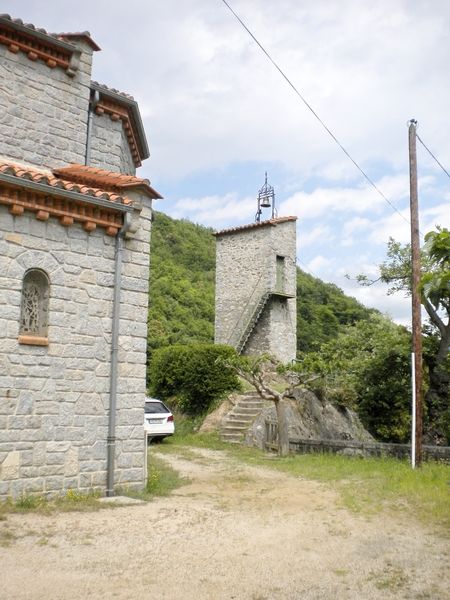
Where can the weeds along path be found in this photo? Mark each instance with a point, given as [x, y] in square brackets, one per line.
[232, 532]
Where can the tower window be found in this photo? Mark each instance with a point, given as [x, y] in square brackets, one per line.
[280, 274]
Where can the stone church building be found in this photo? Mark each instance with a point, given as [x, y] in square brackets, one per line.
[75, 227]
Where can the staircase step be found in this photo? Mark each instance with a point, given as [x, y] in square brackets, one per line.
[233, 434]
[245, 406]
[235, 420]
[240, 419]
[234, 428]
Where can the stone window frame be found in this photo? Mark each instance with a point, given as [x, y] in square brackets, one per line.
[34, 307]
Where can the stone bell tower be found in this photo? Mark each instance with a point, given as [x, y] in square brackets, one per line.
[256, 284]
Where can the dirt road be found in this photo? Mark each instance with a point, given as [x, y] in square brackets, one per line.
[234, 532]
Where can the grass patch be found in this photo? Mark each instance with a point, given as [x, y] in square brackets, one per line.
[7, 537]
[185, 425]
[162, 479]
[371, 485]
[367, 486]
[71, 500]
[391, 578]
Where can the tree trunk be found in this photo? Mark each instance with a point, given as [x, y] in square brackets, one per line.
[283, 429]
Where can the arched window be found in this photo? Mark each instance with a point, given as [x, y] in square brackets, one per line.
[34, 308]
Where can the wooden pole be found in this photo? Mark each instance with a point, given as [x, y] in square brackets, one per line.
[415, 291]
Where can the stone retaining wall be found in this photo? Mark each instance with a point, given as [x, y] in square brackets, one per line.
[354, 447]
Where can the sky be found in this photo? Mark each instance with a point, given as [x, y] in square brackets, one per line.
[218, 114]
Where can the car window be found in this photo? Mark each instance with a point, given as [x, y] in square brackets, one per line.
[155, 407]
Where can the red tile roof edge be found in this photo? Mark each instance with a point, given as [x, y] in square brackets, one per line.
[48, 178]
[84, 35]
[85, 174]
[52, 36]
[269, 222]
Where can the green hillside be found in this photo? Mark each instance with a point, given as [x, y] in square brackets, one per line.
[182, 275]
[182, 291]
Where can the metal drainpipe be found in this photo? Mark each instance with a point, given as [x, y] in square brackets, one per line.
[111, 439]
[92, 104]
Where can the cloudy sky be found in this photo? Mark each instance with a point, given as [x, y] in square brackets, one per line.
[218, 114]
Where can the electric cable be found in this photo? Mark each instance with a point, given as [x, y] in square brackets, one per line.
[432, 155]
[310, 108]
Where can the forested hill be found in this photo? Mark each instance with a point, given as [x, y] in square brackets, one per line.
[182, 291]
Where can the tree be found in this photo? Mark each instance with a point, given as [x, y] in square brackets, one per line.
[366, 368]
[258, 371]
[194, 374]
[435, 297]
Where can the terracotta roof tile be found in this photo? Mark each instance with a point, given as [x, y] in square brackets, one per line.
[84, 35]
[271, 222]
[28, 25]
[116, 182]
[66, 183]
[57, 36]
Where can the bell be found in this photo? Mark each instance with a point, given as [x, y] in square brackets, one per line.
[265, 202]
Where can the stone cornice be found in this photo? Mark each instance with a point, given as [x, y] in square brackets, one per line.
[68, 207]
[38, 45]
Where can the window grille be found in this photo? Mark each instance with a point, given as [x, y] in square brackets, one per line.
[34, 307]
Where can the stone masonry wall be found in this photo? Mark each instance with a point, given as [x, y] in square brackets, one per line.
[245, 269]
[54, 400]
[43, 111]
[109, 146]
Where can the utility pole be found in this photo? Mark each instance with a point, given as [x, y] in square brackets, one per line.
[416, 296]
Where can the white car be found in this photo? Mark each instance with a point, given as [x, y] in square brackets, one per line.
[158, 420]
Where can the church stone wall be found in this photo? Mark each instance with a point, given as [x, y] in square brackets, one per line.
[43, 111]
[54, 400]
[109, 146]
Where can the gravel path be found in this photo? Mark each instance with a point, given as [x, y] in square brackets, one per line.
[233, 532]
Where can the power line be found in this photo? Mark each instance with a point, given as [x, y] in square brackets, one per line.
[310, 108]
[431, 154]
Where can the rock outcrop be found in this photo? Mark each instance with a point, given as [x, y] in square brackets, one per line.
[308, 418]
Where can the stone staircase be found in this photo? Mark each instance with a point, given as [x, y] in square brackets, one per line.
[238, 420]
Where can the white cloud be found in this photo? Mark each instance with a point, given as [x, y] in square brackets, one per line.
[435, 215]
[318, 264]
[215, 211]
[322, 201]
[397, 306]
[313, 236]
[210, 99]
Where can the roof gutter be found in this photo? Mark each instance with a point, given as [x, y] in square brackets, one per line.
[111, 439]
[62, 193]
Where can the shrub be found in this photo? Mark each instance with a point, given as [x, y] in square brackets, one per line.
[195, 374]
